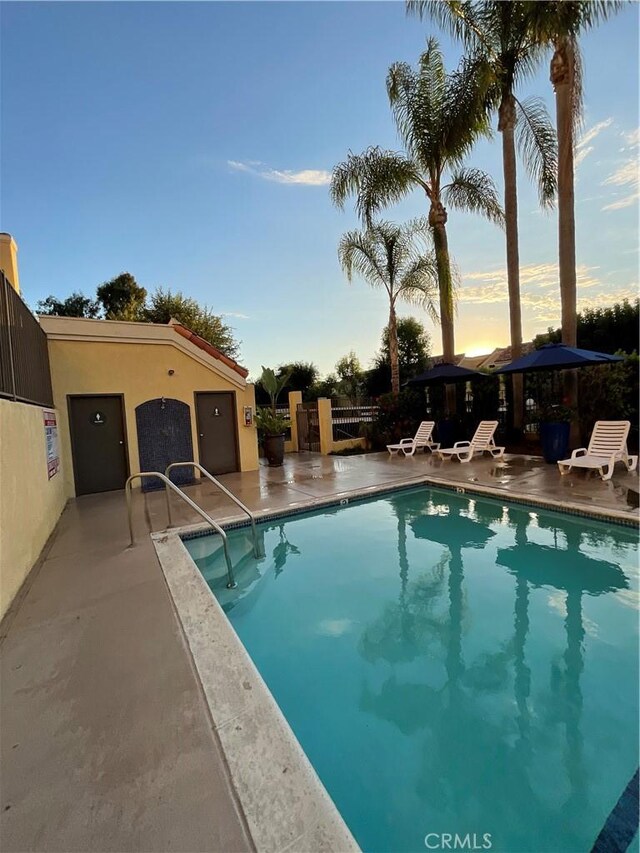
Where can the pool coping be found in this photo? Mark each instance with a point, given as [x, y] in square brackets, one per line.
[284, 802]
[285, 805]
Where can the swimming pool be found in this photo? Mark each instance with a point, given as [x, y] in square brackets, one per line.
[449, 665]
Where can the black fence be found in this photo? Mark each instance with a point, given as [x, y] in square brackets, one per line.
[346, 420]
[308, 424]
[24, 357]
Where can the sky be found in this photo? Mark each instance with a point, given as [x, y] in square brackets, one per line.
[191, 144]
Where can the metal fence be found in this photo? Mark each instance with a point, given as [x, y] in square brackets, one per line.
[346, 420]
[24, 357]
[308, 424]
[283, 412]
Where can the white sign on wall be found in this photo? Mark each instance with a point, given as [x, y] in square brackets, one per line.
[51, 440]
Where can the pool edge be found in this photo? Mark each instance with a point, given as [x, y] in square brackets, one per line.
[234, 521]
[284, 803]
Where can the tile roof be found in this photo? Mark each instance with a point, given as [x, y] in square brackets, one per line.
[208, 348]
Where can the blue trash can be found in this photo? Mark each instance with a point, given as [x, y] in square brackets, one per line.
[554, 438]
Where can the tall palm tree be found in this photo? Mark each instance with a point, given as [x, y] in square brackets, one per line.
[559, 24]
[439, 117]
[390, 256]
[499, 36]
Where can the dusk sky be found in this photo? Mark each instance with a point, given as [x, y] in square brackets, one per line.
[191, 145]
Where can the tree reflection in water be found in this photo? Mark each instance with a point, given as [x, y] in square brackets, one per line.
[469, 763]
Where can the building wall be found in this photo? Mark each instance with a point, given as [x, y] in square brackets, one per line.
[30, 503]
[139, 371]
[9, 259]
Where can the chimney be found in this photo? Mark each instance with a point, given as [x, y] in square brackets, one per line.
[9, 260]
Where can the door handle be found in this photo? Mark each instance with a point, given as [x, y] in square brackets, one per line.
[201, 435]
[121, 442]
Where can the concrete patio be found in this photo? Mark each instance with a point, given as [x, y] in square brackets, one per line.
[106, 742]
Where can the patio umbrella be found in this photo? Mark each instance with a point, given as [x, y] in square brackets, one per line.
[444, 373]
[557, 357]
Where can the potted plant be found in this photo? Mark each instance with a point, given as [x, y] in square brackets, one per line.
[555, 426]
[269, 422]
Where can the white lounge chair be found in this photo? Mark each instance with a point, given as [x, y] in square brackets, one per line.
[607, 446]
[481, 441]
[422, 438]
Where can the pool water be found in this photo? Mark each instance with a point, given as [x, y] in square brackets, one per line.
[449, 664]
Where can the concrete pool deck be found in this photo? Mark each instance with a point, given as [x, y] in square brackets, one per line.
[107, 743]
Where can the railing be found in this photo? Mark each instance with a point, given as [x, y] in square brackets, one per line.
[231, 584]
[24, 357]
[346, 420]
[237, 501]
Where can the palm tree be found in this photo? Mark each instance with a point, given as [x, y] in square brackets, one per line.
[439, 117]
[559, 24]
[499, 36]
[390, 256]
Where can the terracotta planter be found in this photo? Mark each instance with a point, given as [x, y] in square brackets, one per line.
[274, 449]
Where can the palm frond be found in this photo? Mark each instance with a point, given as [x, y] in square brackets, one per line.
[538, 147]
[419, 284]
[364, 253]
[475, 191]
[376, 178]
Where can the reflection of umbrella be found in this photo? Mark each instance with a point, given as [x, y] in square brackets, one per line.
[557, 357]
[444, 373]
[454, 531]
[571, 570]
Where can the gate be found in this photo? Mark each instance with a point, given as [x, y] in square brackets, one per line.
[308, 427]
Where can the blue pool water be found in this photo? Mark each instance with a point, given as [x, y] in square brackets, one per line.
[448, 664]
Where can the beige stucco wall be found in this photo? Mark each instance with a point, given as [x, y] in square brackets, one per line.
[30, 503]
[139, 371]
[9, 259]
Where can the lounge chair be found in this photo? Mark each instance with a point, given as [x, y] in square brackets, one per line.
[607, 446]
[422, 438]
[482, 441]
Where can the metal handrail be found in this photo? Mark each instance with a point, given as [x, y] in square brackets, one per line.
[231, 583]
[237, 501]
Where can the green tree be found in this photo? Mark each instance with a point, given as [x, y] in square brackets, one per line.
[163, 306]
[607, 330]
[327, 387]
[390, 256]
[351, 376]
[559, 26]
[76, 305]
[505, 53]
[439, 117]
[122, 298]
[414, 349]
[303, 376]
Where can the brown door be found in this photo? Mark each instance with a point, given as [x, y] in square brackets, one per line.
[98, 443]
[217, 432]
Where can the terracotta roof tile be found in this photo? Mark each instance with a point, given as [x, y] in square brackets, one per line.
[209, 348]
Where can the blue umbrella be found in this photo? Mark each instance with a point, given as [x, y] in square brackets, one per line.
[557, 357]
[444, 372]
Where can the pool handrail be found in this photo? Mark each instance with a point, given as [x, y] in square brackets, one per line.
[229, 494]
[231, 583]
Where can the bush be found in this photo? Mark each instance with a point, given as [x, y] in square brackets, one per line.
[607, 394]
[398, 417]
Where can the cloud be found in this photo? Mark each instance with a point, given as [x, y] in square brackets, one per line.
[584, 147]
[236, 314]
[540, 290]
[334, 627]
[305, 177]
[627, 175]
